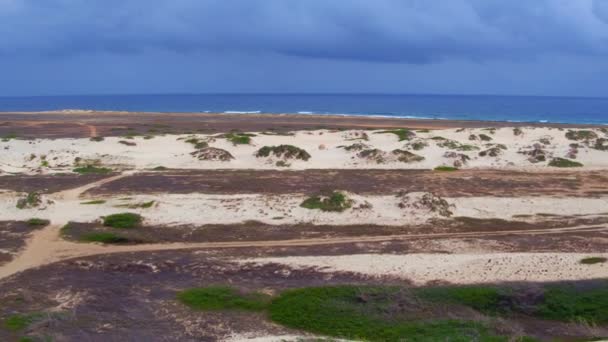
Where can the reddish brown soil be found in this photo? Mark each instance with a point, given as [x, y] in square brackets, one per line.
[452, 184]
[61, 125]
[47, 183]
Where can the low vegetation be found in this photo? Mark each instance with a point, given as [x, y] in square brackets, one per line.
[284, 152]
[238, 138]
[97, 139]
[376, 155]
[197, 143]
[223, 298]
[143, 205]
[562, 162]
[445, 168]
[457, 146]
[407, 156]
[593, 260]
[93, 202]
[104, 237]
[160, 168]
[581, 135]
[127, 143]
[335, 201]
[355, 147]
[517, 131]
[122, 220]
[401, 133]
[38, 222]
[485, 137]
[91, 169]
[31, 200]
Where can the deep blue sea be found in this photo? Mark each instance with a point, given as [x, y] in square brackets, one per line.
[459, 107]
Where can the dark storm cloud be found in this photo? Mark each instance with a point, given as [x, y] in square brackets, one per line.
[409, 31]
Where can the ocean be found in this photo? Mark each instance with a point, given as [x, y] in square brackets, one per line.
[456, 107]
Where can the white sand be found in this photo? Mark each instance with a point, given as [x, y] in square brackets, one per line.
[323, 145]
[455, 268]
[193, 209]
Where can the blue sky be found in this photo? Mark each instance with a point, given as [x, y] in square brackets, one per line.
[528, 47]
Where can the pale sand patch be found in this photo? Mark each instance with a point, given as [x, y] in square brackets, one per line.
[323, 145]
[455, 268]
[193, 209]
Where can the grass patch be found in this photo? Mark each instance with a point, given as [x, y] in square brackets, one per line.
[336, 202]
[122, 220]
[283, 151]
[571, 304]
[9, 137]
[97, 139]
[482, 298]
[18, 322]
[593, 260]
[485, 137]
[91, 169]
[160, 168]
[401, 133]
[445, 168]
[366, 313]
[562, 162]
[222, 298]
[36, 222]
[93, 202]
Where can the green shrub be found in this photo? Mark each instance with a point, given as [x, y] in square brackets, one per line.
[103, 237]
[593, 260]
[122, 220]
[283, 151]
[222, 298]
[38, 222]
[455, 145]
[97, 139]
[91, 169]
[445, 168]
[160, 168]
[401, 133]
[562, 162]
[336, 201]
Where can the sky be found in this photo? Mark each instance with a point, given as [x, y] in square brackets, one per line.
[524, 47]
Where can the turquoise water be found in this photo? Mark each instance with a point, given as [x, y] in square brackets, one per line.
[494, 108]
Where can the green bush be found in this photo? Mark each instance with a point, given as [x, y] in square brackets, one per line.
[445, 168]
[336, 201]
[38, 222]
[109, 238]
[283, 151]
[581, 135]
[593, 260]
[91, 169]
[222, 298]
[122, 220]
[562, 162]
